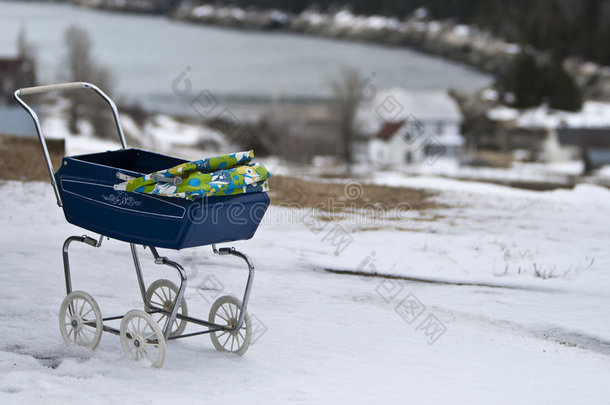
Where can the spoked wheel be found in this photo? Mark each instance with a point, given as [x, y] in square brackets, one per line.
[163, 293]
[225, 311]
[80, 320]
[142, 338]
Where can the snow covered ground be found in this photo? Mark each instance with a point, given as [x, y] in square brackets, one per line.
[503, 298]
[593, 114]
[558, 173]
[161, 133]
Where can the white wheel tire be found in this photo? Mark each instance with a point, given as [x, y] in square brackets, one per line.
[225, 311]
[162, 293]
[141, 327]
[80, 320]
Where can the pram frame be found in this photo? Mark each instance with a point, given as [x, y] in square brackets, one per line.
[158, 259]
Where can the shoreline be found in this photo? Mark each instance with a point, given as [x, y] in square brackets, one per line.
[467, 45]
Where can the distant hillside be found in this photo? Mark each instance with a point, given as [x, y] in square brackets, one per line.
[564, 27]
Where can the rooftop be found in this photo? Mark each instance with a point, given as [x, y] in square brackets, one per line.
[398, 104]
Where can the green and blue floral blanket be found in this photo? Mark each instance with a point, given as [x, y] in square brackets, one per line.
[230, 174]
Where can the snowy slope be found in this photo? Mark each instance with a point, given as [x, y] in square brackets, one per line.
[332, 338]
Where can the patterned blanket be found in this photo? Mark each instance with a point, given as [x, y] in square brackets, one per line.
[220, 175]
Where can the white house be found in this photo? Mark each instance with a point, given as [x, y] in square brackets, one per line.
[408, 128]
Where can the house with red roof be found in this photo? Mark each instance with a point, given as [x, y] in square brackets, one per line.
[410, 128]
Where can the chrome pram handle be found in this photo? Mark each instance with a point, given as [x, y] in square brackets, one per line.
[62, 86]
[176, 180]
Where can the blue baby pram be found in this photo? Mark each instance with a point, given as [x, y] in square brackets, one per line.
[84, 188]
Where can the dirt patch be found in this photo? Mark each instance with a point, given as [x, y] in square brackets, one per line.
[525, 185]
[21, 158]
[291, 191]
[430, 281]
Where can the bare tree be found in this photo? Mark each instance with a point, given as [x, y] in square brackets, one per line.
[345, 101]
[25, 51]
[80, 66]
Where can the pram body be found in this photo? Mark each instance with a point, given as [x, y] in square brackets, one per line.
[90, 201]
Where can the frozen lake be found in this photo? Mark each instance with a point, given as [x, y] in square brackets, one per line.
[146, 53]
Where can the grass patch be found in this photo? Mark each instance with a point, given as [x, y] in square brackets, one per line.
[347, 196]
[21, 158]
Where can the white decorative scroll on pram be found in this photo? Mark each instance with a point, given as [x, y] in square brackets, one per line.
[230, 174]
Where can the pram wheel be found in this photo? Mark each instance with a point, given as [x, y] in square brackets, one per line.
[225, 311]
[162, 293]
[142, 338]
[80, 320]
